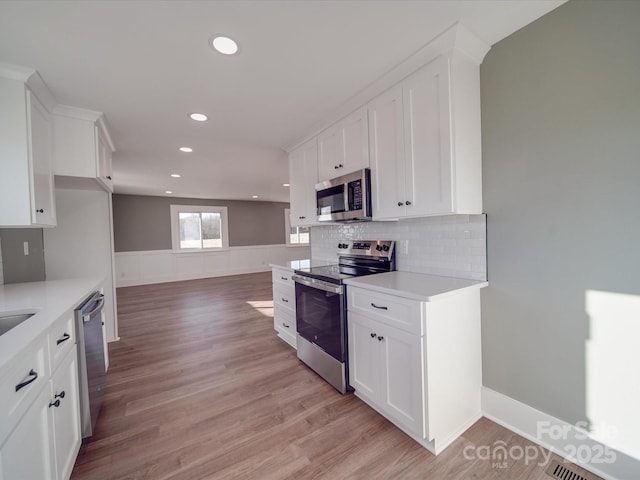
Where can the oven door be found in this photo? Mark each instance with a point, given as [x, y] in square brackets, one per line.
[320, 315]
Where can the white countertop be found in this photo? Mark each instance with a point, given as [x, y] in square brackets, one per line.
[51, 299]
[415, 286]
[298, 264]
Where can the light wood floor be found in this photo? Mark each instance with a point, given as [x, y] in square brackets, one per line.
[200, 387]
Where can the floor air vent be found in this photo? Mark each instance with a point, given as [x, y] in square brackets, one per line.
[556, 470]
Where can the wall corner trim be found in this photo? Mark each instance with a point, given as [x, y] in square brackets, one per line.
[526, 421]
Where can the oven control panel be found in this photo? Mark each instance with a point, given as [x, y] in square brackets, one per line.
[370, 248]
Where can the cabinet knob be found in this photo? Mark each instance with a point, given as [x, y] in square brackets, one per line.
[301, 218]
[59, 395]
[400, 204]
[380, 339]
[285, 325]
[373, 335]
[54, 404]
[40, 211]
[108, 177]
[407, 202]
[285, 300]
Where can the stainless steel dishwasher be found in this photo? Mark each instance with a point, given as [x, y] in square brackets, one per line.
[92, 375]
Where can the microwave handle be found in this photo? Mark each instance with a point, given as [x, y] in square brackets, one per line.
[346, 196]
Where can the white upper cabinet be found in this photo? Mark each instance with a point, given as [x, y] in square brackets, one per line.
[425, 142]
[386, 137]
[26, 183]
[344, 147]
[303, 176]
[82, 146]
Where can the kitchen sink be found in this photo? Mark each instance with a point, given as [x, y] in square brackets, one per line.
[7, 322]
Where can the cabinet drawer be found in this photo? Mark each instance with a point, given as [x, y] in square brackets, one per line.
[284, 296]
[282, 276]
[284, 320]
[395, 311]
[62, 338]
[20, 384]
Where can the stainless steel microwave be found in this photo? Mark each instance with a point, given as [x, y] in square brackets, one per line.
[346, 198]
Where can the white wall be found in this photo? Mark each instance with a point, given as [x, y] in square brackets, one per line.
[81, 244]
[1, 271]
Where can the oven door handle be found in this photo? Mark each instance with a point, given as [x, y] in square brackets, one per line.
[320, 285]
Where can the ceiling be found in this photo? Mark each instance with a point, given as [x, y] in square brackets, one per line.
[147, 65]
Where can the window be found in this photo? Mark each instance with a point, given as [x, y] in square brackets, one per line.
[295, 235]
[197, 228]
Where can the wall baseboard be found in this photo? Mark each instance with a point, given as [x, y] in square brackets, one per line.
[159, 266]
[558, 436]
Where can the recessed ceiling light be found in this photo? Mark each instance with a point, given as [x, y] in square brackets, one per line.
[168, 191]
[198, 117]
[176, 175]
[286, 185]
[254, 196]
[186, 149]
[223, 44]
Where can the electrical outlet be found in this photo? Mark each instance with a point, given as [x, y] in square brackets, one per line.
[25, 246]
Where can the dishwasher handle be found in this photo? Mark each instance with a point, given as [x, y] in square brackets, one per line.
[99, 305]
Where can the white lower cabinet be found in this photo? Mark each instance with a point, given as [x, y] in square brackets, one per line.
[417, 363]
[284, 305]
[28, 452]
[386, 368]
[43, 443]
[65, 415]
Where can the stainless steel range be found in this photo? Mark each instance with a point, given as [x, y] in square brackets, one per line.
[321, 306]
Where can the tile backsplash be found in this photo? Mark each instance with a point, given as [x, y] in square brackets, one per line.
[450, 246]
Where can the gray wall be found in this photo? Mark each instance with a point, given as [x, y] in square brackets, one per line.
[18, 268]
[144, 222]
[561, 185]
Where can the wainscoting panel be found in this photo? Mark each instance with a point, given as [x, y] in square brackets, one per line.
[159, 266]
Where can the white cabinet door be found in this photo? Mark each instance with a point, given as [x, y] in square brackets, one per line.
[354, 136]
[427, 128]
[330, 159]
[81, 147]
[303, 176]
[104, 160]
[344, 147]
[386, 144]
[364, 356]
[402, 364]
[27, 453]
[43, 201]
[26, 181]
[65, 415]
